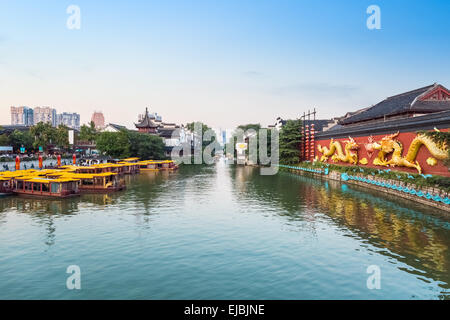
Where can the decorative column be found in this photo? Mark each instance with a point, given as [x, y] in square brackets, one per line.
[307, 142]
[302, 144]
[312, 147]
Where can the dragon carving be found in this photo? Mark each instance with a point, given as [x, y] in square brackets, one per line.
[336, 152]
[389, 144]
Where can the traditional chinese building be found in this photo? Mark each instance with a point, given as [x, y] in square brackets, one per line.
[171, 133]
[146, 124]
[390, 134]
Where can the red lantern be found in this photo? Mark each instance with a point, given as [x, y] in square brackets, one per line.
[58, 160]
[17, 163]
[74, 158]
[40, 162]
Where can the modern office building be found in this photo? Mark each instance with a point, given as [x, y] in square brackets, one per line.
[22, 116]
[71, 120]
[45, 114]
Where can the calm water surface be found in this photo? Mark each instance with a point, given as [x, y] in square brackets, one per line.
[222, 232]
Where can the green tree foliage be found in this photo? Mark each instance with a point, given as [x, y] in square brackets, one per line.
[126, 143]
[191, 127]
[88, 132]
[290, 138]
[114, 144]
[4, 140]
[145, 146]
[20, 139]
[256, 127]
[44, 135]
[62, 136]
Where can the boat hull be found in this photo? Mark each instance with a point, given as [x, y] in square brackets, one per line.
[101, 190]
[46, 196]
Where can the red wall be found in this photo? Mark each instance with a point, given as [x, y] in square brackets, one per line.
[405, 138]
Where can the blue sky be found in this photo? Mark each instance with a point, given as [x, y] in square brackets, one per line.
[221, 62]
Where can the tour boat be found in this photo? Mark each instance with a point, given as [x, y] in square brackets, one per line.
[147, 165]
[129, 167]
[101, 182]
[44, 187]
[111, 167]
[5, 186]
[154, 165]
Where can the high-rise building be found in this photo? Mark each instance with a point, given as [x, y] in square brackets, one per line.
[71, 120]
[45, 114]
[22, 116]
[98, 119]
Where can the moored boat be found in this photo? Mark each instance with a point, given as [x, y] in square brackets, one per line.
[101, 182]
[5, 186]
[44, 187]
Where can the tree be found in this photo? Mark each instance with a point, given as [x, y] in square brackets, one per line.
[4, 140]
[44, 134]
[145, 146]
[204, 128]
[61, 136]
[290, 138]
[19, 139]
[126, 143]
[114, 144]
[88, 132]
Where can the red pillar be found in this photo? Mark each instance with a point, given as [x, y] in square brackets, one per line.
[312, 147]
[40, 162]
[17, 163]
[74, 159]
[58, 160]
[307, 142]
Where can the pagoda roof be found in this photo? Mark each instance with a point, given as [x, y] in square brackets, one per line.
[146, 122]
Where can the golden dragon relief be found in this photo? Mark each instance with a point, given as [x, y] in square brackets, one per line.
[336, 153]
[389, 145]
[386, 146]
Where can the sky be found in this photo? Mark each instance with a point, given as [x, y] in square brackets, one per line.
[222, 62]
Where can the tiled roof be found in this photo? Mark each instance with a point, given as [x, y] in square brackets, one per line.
[146, 122]
[398, 104]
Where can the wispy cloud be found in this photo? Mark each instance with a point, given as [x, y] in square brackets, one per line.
[317, 90]
[253, 74]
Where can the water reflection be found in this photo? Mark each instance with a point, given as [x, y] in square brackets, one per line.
[212, 212]
[396, 228]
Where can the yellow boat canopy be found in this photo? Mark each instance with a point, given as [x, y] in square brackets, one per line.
[88, 175]
[42, 180]
[129, 159]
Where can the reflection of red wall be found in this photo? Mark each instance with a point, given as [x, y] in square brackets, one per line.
[405, 138]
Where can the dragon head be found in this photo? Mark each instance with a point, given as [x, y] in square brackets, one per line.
[350, 144]
[387, 143]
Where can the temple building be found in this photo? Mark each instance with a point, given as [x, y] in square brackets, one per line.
[171, 133]
[418, 102]
[389, 135]
[147, 123]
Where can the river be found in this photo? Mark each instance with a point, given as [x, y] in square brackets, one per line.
[224, 232]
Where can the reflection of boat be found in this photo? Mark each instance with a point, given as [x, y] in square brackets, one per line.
[5, 186]
[43, 187]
